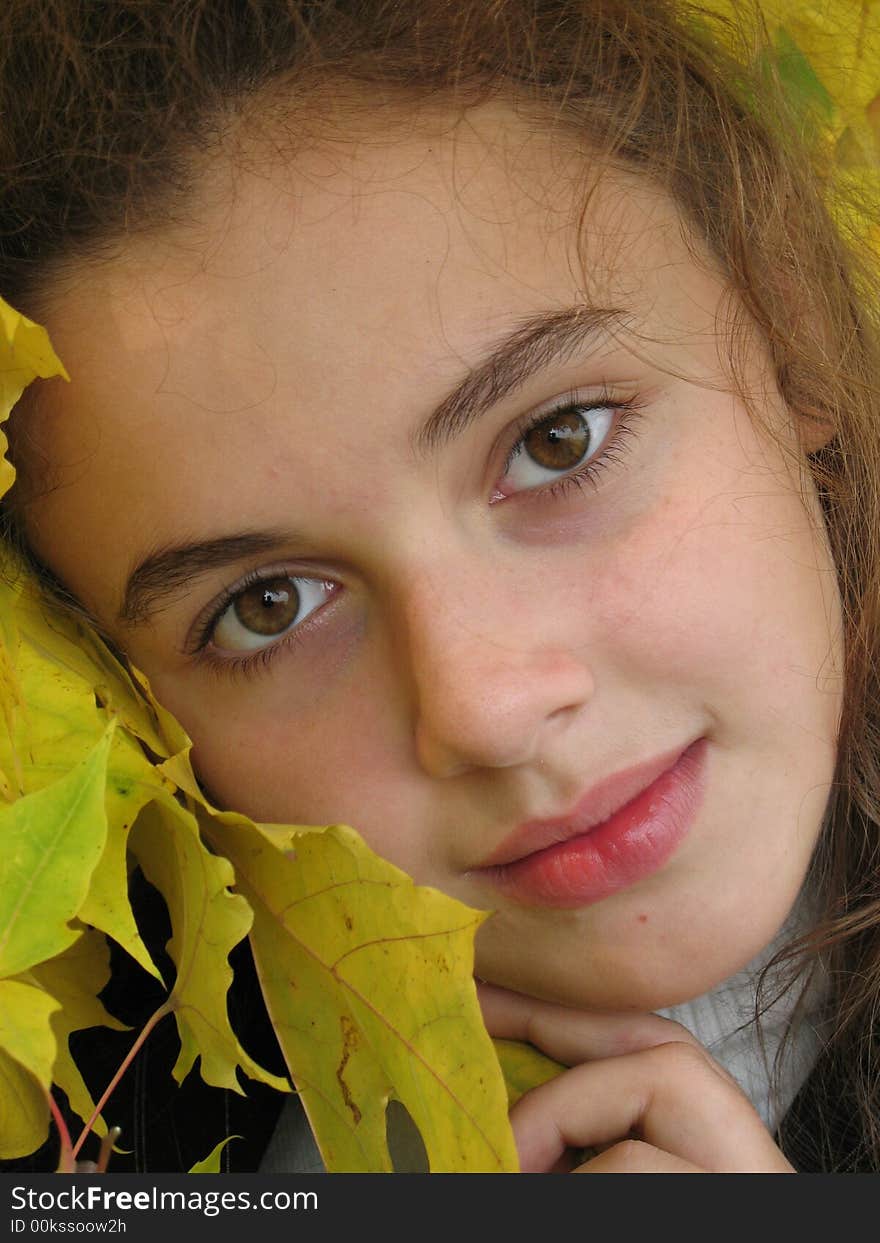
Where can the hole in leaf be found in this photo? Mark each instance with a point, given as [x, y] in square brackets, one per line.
[408, 1155]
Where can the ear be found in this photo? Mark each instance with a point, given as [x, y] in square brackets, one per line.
[814, 432]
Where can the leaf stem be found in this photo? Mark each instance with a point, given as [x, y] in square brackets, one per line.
[165, 1008]
[66, 1158]
[107, 1148]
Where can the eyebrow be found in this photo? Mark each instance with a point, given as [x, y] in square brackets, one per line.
[164, 572]
[551, 337]
[536, 343]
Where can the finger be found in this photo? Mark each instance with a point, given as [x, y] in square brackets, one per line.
[633, 1156]
[573, 1036]
[668, 1096]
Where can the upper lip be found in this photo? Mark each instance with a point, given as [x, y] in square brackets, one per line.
[594, 807]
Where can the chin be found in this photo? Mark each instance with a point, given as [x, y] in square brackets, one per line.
[618, 992]
[636, 978]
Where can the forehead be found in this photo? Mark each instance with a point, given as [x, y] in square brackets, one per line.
[420, 236]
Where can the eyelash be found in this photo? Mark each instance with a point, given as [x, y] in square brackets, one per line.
[253, 663]
[630, 411]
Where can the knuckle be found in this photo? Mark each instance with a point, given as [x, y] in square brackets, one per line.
[629, 1155]
[677, 1033]
[681, 1057]
[652, 1030]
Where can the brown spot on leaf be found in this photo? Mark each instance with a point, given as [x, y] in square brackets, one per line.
[873, 111]
[350, 1042]
[349, 923]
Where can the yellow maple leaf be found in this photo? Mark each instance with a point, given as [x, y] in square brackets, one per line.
[74, 979]
[368, 979]
[207, 920]
[826, 54]
[25, 354]
[524, 1067]
[211, 1163]
[27, 1055]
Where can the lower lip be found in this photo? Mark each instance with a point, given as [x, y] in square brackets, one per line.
[632, 844]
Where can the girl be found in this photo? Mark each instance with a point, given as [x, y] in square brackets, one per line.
[473, 437]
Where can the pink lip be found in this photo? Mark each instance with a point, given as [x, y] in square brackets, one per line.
[622, 830]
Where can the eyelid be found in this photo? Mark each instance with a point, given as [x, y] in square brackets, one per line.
[198, 638]
[587, 397]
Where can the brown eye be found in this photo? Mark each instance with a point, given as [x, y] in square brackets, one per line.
[266, 610]
[556, 444]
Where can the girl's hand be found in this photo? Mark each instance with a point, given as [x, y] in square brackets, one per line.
[642, 1091]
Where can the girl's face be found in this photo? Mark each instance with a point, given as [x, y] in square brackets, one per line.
[417, 528]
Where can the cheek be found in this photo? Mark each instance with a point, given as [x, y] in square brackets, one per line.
[729, 591]
[739, 618]
[343, 761]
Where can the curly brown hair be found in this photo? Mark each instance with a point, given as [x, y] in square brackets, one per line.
[109, 107]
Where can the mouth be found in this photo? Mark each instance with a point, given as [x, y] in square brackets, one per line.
[623, 829]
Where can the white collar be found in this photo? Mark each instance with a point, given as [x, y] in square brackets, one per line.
[723, 1020]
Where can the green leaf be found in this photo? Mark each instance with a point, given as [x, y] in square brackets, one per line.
[27, 1052]
[369, 982]
[799, 77]
[60, 726]
[51, 843]
[211, 1163]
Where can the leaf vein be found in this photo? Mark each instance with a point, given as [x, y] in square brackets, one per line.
[410, 936]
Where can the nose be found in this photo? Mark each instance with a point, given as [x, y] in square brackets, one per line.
[493, 685]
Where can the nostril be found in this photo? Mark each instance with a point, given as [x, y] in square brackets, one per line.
[482, 705]
[565, 711]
